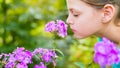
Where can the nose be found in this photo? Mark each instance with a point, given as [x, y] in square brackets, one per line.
[69, 20]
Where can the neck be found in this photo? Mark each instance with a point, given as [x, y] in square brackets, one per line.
[111, 32]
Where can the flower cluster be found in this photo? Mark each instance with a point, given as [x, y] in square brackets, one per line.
[47, 56]
[106, 53]
[20, 58]
[59, 26]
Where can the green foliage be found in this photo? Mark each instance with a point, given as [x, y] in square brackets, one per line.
[22, 22]
[22, 25]
[81, 53]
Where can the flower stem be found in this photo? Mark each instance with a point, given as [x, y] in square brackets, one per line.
[54, 41]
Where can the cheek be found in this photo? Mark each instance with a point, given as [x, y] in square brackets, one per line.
[87, 26]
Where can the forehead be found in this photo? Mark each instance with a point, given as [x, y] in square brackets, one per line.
[77, 4]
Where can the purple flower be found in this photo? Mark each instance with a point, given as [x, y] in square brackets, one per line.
[28, 57]
[23, 56]
[103, 48]
[60, 27]
[12, 58]
[9, 65]
[100, 59]
[36, 66]
[38, 51]
[50, 26]
[42, 65]
[21, 65]
[19, 58]
[106, 53]
[47, 55]
[19, 50]
[112, 58]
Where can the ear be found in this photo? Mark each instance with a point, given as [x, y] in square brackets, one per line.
[108, 13]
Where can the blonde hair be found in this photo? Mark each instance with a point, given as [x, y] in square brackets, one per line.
[99, 4]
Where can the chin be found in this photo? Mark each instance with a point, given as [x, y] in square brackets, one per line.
[80, 37]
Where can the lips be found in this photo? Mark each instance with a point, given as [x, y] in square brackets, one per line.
[73, 30]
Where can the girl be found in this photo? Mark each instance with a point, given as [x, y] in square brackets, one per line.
[99, 17]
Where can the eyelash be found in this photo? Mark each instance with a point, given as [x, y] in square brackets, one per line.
[75, 15]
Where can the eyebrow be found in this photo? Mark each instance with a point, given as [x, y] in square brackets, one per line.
[72, 9]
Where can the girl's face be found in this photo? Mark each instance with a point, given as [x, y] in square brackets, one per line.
[83, 19]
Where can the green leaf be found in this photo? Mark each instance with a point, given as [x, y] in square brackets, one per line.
[80, 65]
[59, 53]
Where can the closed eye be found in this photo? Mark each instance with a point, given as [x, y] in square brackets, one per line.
[76, 15]
[74, 12]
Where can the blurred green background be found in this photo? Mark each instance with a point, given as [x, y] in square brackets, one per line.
[22, 25]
